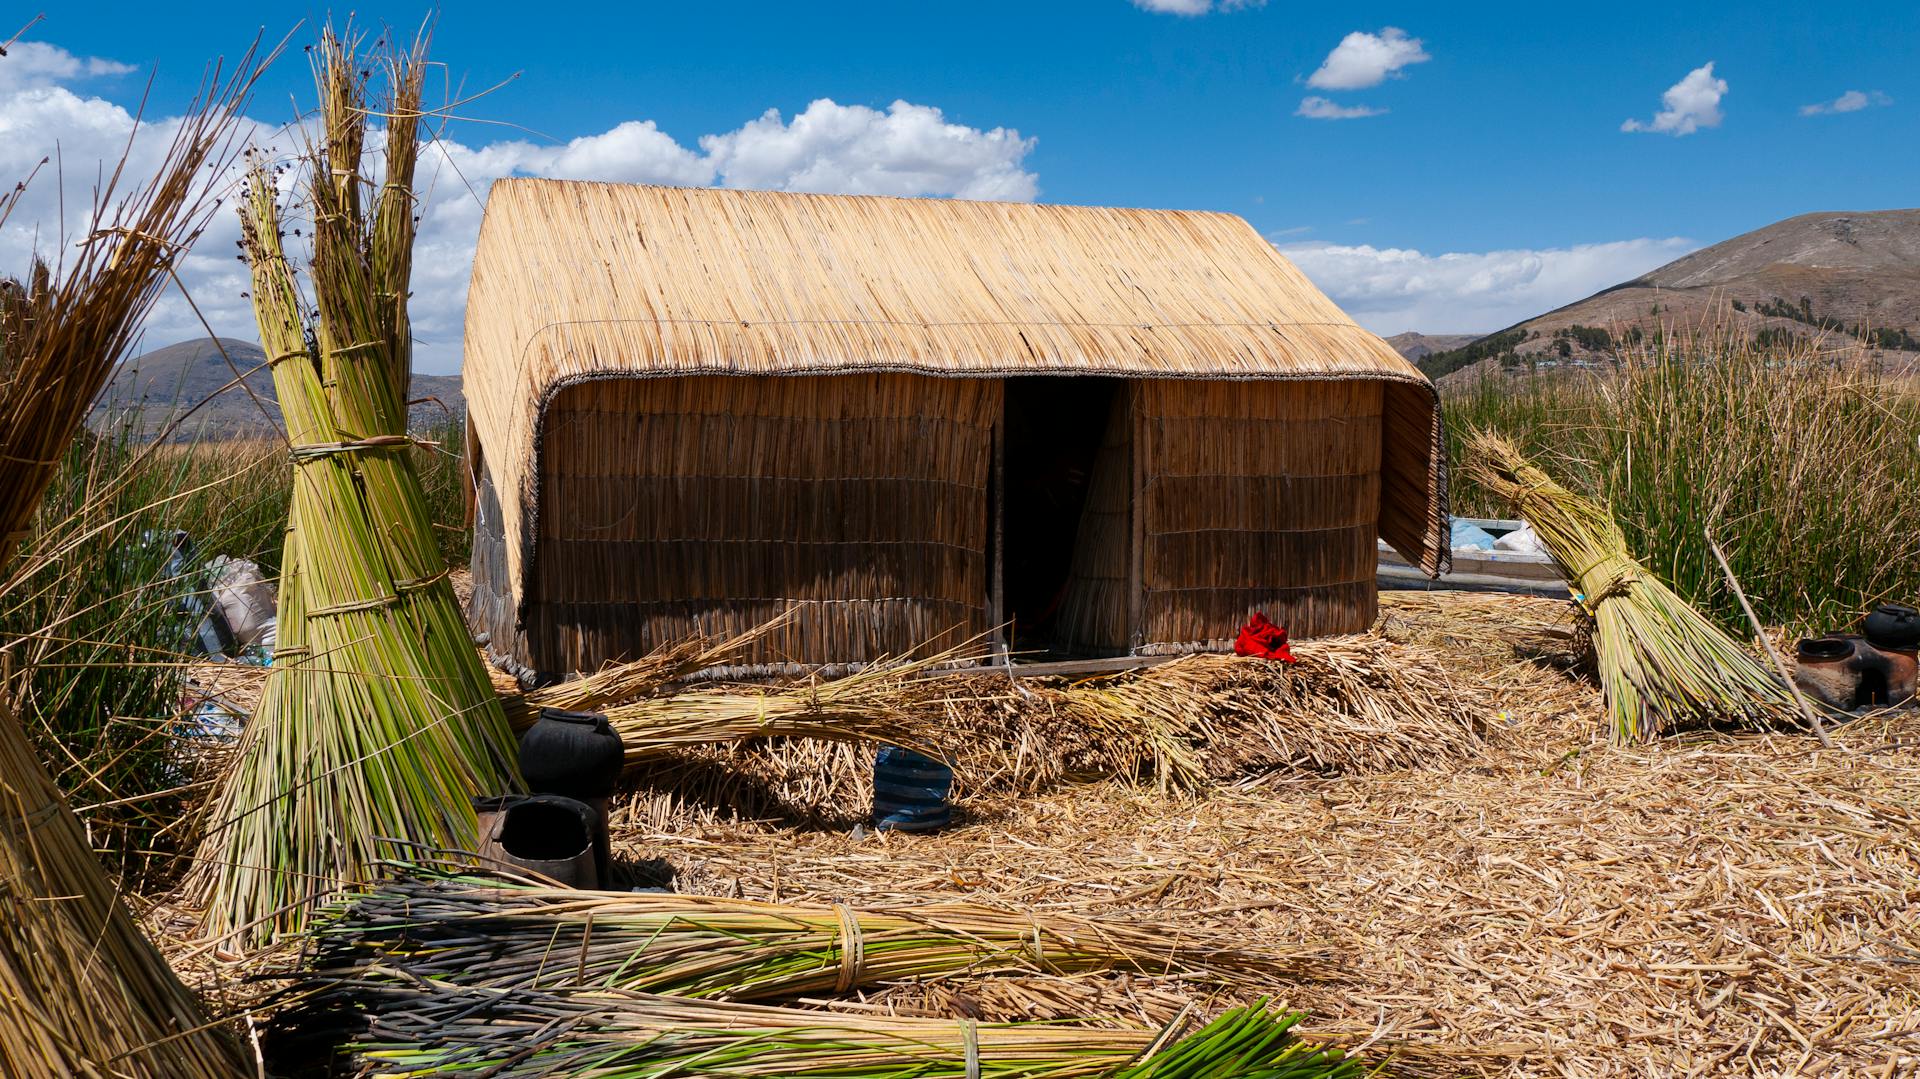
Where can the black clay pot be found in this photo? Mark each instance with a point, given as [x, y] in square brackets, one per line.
[1893, 625]
[576, 754]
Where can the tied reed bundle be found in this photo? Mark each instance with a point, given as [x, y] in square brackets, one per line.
[82, 991]
[1662, 664]
[424, 1029]
[883, 702]
[643, 677]
[378, 723]
[500, 934]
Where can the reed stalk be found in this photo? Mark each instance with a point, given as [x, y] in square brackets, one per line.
[392, 1029]
[487, 932]
[378, 724]
[1662, 664]
[884, 702]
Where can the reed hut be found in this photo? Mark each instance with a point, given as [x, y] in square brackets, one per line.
[1117, 432]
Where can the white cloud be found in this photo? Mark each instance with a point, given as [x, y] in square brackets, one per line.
[1851, 101]
[1362, 59]
[36, 63]
[1391, 290]
[852, 149]
[1194, 7]
[1319, 108]
[906, 150]
[1691, 104]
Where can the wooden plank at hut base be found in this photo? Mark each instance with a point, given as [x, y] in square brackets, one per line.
[1069, 668]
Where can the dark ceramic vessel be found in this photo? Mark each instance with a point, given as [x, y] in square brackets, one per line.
[576, 754]
[1893, 625]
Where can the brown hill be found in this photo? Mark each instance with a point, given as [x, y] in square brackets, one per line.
[158, 386]
[1418, 346]
[1851, 273]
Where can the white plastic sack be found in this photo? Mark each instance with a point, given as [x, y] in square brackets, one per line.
[1522, 540]
[244, 596]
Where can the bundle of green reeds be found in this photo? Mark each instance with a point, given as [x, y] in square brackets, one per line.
[82, 991]
[423, 1029]
[498, 933]
[378, 724]
[1662, 664]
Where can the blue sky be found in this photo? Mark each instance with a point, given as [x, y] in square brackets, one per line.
[1490, 177]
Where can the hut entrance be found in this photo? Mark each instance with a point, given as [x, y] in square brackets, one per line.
[1067, 514]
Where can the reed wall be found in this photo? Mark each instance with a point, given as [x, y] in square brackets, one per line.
[1256, 497]
[673, 506]
[677, 506]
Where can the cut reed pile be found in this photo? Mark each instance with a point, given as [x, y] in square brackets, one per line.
[82, 992]
[641, 678]
[378, 724]
[502, 934]
[1351, 704]
[425, 1030]
[884, 702]
[1662, 664]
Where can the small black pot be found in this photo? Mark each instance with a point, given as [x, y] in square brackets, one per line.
[1893, 625]
[576, 754]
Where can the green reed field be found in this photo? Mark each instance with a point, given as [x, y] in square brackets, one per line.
[1802, 460]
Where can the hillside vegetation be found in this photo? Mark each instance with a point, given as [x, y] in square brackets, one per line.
[1807, 278]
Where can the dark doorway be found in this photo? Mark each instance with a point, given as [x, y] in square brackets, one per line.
[1053, 428]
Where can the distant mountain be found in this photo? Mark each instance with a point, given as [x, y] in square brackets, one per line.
[1418, 346]
[1839, 273]
[161, 384]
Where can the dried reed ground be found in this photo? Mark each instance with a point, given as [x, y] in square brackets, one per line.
[1562, 907]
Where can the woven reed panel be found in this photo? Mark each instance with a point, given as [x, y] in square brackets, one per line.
[576, 280]
[1257, 497]
[676, 506]
[1093, 616]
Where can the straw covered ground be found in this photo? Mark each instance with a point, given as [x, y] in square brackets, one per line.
[1558, 906]
[1522, 900]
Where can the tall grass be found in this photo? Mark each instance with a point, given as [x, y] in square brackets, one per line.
[1801, 459]
[443, 480]
[90, 620]
[89, 623]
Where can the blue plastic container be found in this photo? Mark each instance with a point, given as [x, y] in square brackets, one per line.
[910, 791]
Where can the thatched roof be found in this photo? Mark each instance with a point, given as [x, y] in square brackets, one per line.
[575, 281]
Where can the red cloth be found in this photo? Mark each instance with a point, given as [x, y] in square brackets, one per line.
[1262, 638]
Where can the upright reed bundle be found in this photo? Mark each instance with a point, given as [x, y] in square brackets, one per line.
[378, 723]
[1662, 664]
[492, 933]
[82, 991]
[424, 1029]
